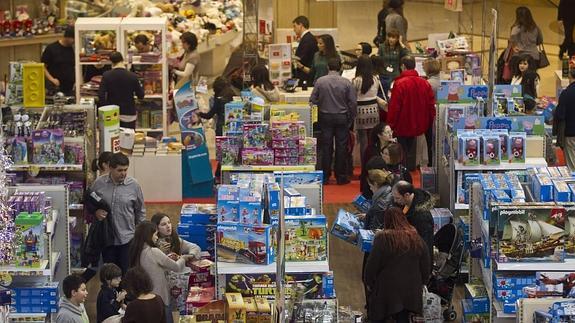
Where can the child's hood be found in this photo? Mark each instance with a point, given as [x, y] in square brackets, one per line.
[69, 306]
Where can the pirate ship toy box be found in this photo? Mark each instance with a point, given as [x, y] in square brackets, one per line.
[305, 238]
[531, 233]
[346, 227]
[569, 225]
[241, 243]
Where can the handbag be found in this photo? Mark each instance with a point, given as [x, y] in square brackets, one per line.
[507, 74]
[543, 60]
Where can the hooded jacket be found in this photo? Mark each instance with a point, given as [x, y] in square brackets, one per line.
[419, 216]
[70, 313]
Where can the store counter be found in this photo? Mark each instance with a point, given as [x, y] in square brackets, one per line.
[299, 96]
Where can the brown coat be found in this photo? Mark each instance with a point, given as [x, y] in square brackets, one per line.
[395, 279]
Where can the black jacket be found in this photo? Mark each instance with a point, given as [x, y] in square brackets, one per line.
[101, 233]
[566, 10]
[118, 87]
[566, 109]
[419, 216]
[218, 109]
[106, 304]
[382, 200]
[305, 51]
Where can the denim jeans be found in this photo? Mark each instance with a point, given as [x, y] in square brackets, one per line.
[334, 127]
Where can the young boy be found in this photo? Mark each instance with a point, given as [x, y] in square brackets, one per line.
[72, 305]
[109, 299]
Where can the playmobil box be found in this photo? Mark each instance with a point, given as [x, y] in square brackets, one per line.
[517, 144]
[561, 191]
[273, 200]
[477, 294]
[542, 187]
[361, 203]
[228, 203]
[500, 196]
[251, 203]
[512, 281]
[471, 316]
[533, 233]
[305, 238]
[441, 217]
[346, 226]
[365, 240]
[241, 243]
[196, 213]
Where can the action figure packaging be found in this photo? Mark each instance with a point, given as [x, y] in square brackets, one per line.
[240, 243]
[346, 227]
[533, 233]
[228, 203]
[308, 285]
[48, 146]
[305, 238]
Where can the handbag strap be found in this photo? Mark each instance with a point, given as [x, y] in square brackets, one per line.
[381, 88]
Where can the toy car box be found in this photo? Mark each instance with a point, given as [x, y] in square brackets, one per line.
[532, 233]
[242, 243]
[365, 240]
[346, 226]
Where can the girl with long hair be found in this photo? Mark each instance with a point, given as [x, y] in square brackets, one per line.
[145, 254]
[147, 307]
[392, 155]
[526, 35]
[392, 51]
[366, 85]
[380, 136]
[326, 50]
[396, 270]
[262, 86]
[169, 241]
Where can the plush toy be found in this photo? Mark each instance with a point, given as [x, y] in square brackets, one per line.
[166, 7]
[48, 8]
[471, 150]
[517, 149]
[7, 24]
[103, 41]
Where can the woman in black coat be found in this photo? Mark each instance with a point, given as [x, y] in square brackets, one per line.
[397, 269]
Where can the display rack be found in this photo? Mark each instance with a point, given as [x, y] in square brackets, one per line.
[57, 265]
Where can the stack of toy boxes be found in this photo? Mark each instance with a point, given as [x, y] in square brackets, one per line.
[198, 225]
[305, 238]
[530, 233]
[508, 288]
[308, 151]
[35, 298]
[346, 226]
[550, 284]
[428, 179]
[500, 188]
[247, 309]
[441, 217]
[477, 297]
[255, 149]
[286, 136]
[28, 202]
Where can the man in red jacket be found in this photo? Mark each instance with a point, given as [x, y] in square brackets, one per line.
[411, 109]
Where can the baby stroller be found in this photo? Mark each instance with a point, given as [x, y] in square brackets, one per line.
[449, 241]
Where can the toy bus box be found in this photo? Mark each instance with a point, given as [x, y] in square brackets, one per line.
[235, 308]
[346, 226]
[264, 310]
[517, 147]
[228, 203]
[365, 240]
[29, 242]
[241, 243]
[305, 238]
[361, 203]
[491, 150]
[531, 233]
[251, 310]
[197, 213]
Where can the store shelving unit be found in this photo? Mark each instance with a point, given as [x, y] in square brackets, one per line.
[56, 266]
[157, 25]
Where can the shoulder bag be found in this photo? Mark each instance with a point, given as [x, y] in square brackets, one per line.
[543, 60]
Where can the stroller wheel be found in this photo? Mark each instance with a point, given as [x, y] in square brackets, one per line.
[449, 314]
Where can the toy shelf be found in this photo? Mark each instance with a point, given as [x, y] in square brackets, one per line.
[226, 268]
[529, 163]
[43, 270]
[23, 41]
[46, 167]
[568, 265]
[268, 168]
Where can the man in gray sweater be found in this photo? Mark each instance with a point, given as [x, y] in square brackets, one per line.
[126, 200]
[72, 305]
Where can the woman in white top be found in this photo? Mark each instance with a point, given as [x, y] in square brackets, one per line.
[262, 86]
[144, 253]
[189, 61]
[366, 86]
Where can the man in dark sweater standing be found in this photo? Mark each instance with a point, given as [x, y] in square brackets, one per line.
[566, 16]
[305, 50]
[119, 86]
[566, 113]
[58, 59]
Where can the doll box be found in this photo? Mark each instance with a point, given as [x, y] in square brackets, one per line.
[491, 150]
[533, 233]
[240, 243]
[516, 146]
[346, 226]
[305, 238]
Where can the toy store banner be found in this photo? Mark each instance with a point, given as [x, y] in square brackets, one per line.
[531, 125]
[311, 285]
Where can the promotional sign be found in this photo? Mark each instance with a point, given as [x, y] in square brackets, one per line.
[531, 125]
[186, 107]
[196, 155]
[455, 92]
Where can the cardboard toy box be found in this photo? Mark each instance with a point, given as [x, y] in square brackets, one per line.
[365, 240]
[470, 316]
[542, 186]
[196, 213]
[48, 146]
[531, 233]
[361, 203]
[305, 238]
[250, 205]
[30, 245]
[346, 226]
[199, 297]
[228, 203]
[510, 281]
[477, 294]
[551, 284]
[441, 217]
[251, 310]
[235, 308]
[242, 243]
[264, 310]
